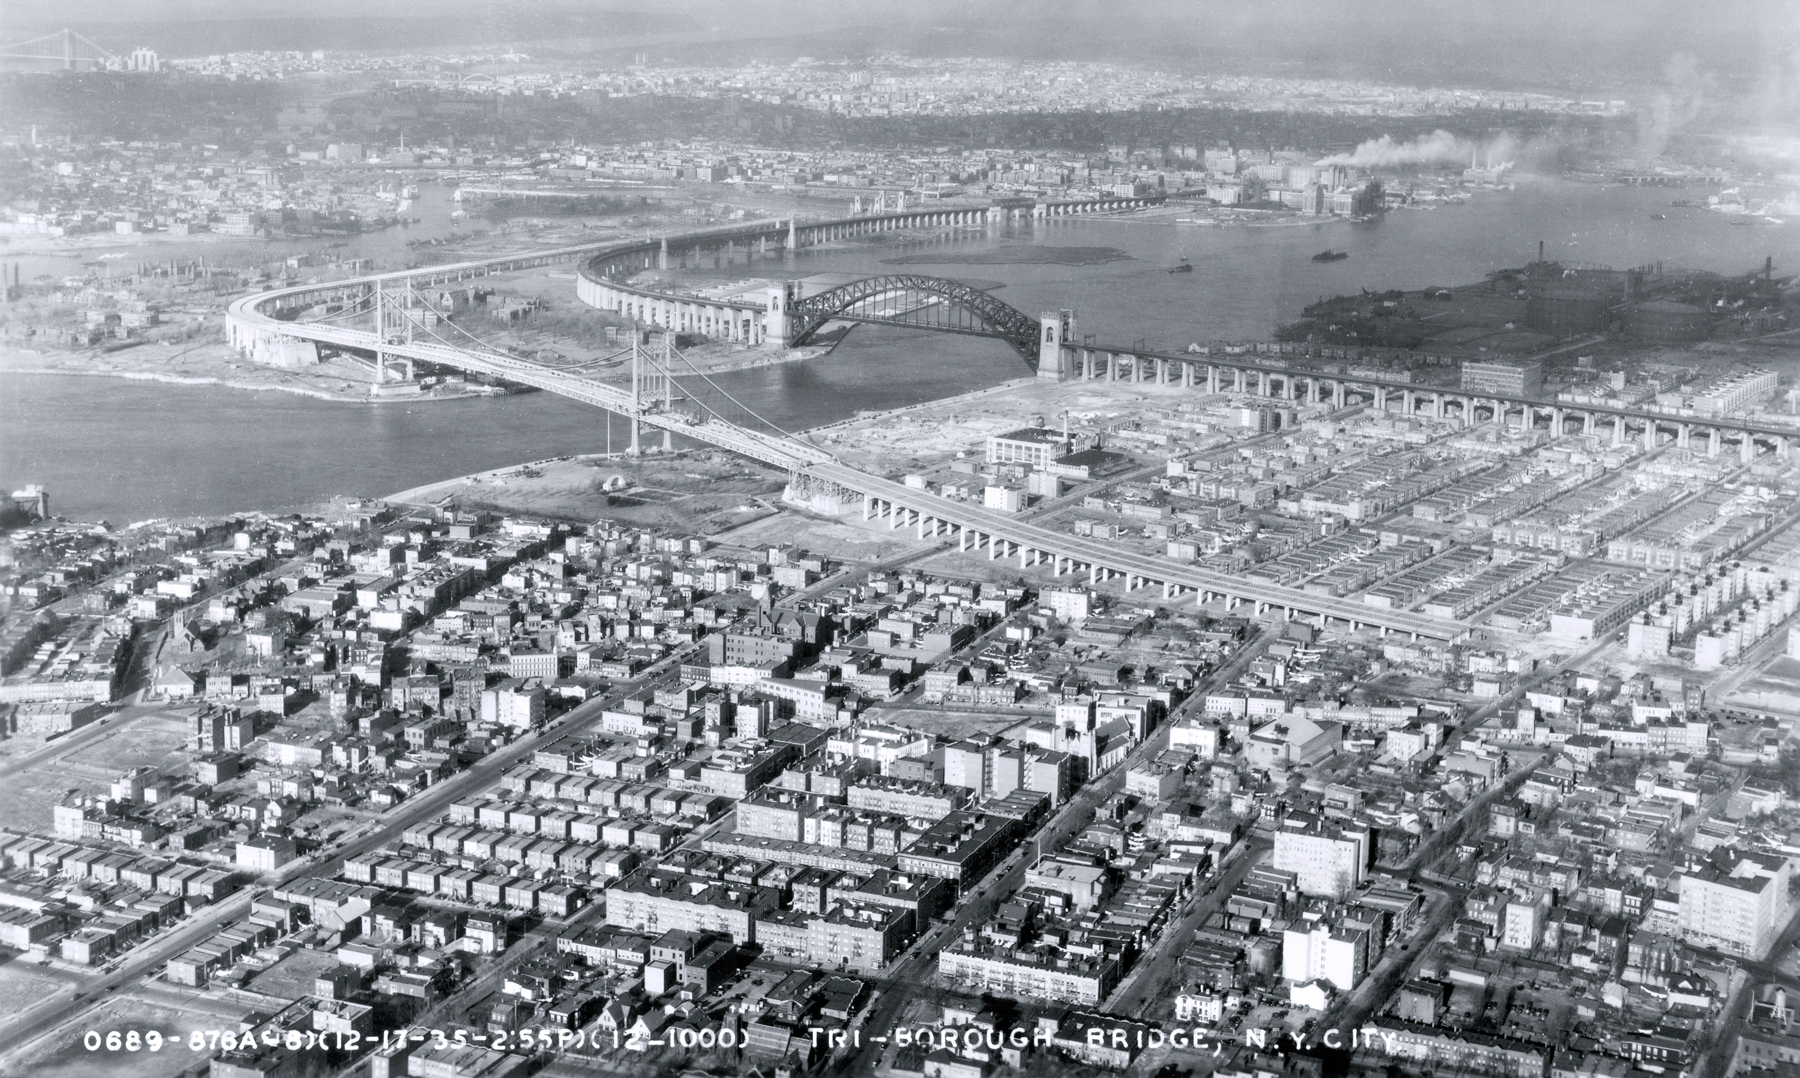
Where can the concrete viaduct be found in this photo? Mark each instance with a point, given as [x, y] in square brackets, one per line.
[1002, 535]
[602, 281]
[255, 322]
[263, 324]
[1274, 378]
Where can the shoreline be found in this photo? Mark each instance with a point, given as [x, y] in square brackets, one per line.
[429, 494]
[251, 387]
[771, 359]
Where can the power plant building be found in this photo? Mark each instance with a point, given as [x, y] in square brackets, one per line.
[1667, 320]
[1568, 312]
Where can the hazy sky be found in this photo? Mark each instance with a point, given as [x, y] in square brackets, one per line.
[1735, 48]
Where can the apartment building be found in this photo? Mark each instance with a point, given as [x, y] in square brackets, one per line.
[1321, 951]
[1737, 903]
[1328, 859]
[657, 902]
[1065, 979]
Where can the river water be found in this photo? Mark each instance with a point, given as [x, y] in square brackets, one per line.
[126, 451]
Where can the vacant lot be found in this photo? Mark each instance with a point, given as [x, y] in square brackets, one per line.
[24, 983]
[152, 740]
[696, 492]
[65, 1056]
[844, 542]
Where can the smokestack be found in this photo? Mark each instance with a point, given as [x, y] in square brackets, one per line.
[1540, 250]
[1768, 267]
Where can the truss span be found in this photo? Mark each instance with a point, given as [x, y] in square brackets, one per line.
[908, 299]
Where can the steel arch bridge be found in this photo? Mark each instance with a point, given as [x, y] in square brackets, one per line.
[908, 300]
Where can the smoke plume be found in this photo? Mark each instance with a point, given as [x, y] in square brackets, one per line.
[1672, 106]
[1438, 148]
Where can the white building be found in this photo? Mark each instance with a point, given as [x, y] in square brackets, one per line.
[1739, 911]
[1319, 952]
[266, 853]
[1197, 736]
[513, 704]
[1068, 604]
[1330, 861]
[1004, 499]
[1292, 741]
[1522, 922]
[1033, 446]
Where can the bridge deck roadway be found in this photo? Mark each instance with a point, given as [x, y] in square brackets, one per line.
[975, 519]
[254, 311]
[771, 449]
[796, 455]
[253, 315]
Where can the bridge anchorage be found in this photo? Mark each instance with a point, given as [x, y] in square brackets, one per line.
[908, 300]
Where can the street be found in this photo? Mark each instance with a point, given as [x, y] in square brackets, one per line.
[47, 1018]
[1149, 980]
[916, 967]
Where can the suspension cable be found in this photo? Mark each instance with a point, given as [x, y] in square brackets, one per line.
[722, 392]
[784, 432]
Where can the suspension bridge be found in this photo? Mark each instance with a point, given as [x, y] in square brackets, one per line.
[381, 316]
[69, 50]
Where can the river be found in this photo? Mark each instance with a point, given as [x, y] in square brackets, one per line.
[126, 451]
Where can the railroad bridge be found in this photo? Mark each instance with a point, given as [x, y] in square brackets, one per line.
[270, 324]
[908, 300]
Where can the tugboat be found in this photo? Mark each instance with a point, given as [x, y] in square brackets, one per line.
[1659, 217]
[1329, 255]
[1183, 266]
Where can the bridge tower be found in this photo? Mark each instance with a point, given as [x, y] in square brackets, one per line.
[380, 332]
[668, 386]
[793, 238]
[410, 301]
[775, 317]
[1056, 330]
[651, 385]
[637, 392]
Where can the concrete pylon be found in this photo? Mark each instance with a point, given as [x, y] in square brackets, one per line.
[1055, 331]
